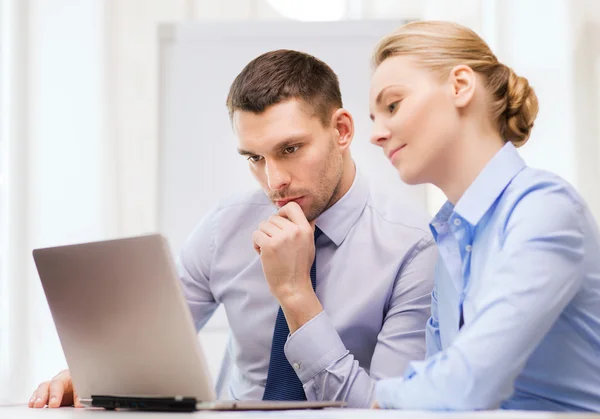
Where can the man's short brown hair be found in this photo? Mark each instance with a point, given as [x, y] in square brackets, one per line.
[280, 75]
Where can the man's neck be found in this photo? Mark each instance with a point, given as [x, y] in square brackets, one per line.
[348, 176]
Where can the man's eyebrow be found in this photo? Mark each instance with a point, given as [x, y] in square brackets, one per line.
[243, 152]
[294, 139]
[280, 145]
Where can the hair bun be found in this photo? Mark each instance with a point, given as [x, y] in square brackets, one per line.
[521, 109]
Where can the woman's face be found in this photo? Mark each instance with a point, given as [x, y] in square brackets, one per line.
[415, 118]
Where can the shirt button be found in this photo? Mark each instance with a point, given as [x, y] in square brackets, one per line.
[296, 365]
[468, 248]
[457, 222]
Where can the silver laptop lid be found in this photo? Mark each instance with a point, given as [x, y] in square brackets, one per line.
[123, 322]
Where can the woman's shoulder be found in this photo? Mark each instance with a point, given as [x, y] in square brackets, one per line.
[542, 186]
[539, 202]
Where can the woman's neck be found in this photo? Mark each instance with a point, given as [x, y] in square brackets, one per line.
[465, 161]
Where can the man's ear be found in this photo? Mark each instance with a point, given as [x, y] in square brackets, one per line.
[343, 123]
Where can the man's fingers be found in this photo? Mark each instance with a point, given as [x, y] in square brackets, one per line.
[293, 212]
[260, 239]
[76, 399]
[57, 390]
[280, 222]
[41, 397]
[269, 229]
[32, 399]
[55, 393]
[256, 248]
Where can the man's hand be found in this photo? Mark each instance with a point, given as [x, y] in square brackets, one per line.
[286, 246]
[56, 393]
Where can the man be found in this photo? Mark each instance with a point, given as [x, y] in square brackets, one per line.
[306, 324]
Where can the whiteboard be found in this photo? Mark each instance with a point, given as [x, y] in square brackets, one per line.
[198, 160]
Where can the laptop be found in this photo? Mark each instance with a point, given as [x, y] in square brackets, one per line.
[126, 329]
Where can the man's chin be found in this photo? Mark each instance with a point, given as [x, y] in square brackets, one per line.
[313, 213]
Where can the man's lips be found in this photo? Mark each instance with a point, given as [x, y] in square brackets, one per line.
[281, 202]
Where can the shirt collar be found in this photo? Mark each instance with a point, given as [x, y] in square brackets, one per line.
[486, 188]
[441, 217]
[337, 220]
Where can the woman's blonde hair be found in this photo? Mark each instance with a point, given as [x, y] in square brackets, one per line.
[440, 46]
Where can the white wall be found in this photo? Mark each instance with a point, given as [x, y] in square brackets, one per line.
[132, 77]
[586, 92]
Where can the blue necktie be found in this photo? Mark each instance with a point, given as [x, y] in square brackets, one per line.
[282, 381]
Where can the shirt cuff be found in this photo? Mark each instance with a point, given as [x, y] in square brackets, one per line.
[386, 393]
[314, 347]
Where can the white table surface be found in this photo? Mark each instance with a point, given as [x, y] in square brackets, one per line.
[23, 412]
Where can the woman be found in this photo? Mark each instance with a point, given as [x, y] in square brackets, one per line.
[515, 319]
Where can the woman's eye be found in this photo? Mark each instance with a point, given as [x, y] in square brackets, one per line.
[290, 150]
[255, 159]
[392, 106]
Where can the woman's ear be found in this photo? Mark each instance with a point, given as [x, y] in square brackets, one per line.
[463, 81]
[343, 124]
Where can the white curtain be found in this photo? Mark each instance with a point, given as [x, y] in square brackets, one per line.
[53, 96]
[14, 320]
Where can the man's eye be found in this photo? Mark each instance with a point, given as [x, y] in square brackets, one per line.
[255, 159]
[392, 106]
[290, 150]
